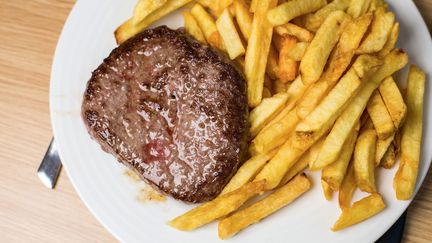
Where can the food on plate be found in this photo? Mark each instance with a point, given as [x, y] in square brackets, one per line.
[253, 214]
[364, 161]
[406, 176]
[359, 211]
[172, 110]
[319, 90]
[220, 207]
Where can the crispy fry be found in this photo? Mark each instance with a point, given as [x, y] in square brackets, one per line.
[266, 93]
[332, 147]
[358, 7]
[145, 7]
[364, 161]
[335, 173]
[287, 66]
[265, 111]
[192, 27]
[391, 41]
[285, 12]
[272, 68]
[406, 176]
[393, 101]
[360, 211]
[257, 49]
[327, 191]
[229, 34]
[299, 166]
[380, 30]
[375, 4]
[300, 33]
[313, 22]
[380, 117]
[224, 4]
[128, 29]
[315, 58]
[210, 4]
[208, 26]
[347, 188]
[247, 172]
[243, 18]
[253, 6]
[297, 51]
[219, 207]
[389, 158]
[279, 87]
[261, 209]
[382, 147]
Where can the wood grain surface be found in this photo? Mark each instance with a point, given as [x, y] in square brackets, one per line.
[29, 212]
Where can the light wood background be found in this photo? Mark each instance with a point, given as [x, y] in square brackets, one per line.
[29, 212]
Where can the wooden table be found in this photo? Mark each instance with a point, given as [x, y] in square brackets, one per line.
[29, 212]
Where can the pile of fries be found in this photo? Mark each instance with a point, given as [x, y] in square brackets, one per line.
[322, 96]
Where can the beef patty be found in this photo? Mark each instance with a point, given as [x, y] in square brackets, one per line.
[173, 110]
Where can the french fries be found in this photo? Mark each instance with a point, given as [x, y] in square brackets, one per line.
[315, 58]
[192, 27]
[380, 117]
[382, 147]
[297, 52]
[406, 176]
[129, 29]
[334, 174]
[393, 100]
[347, 188]
[300, 33]
[230, 36]
[375, 4]
[391, 41]
[208, 26]
[332, 147]
[243, 18]
[258, 47]
[261, 209]
[247, 171]
[364, 161]
[389, 158]
[285, 12]
[379, 33]
[287, 66]
[145, 7]
[219, 207]
[314, 21]
[327, 191]
[265, 111]
[360, 211]
[358, 7]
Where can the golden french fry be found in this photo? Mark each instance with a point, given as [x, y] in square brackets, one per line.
[380, 117]
[380, 29]
[360, 211]
[393, 100]
[266, 93]
[358, 7]
[364, 161]
[375, 4]
[287, 66]
[315, 58]
[391, 41]
[247, 172]
[265, 111]
[279, 87]
[263, 208]
[210, 4]
[253, 6]
[297, 51]
[347, 188]
[217, 208]
[335, 173]
[406, 176]
[382, 147]
[192, 27]
[339, 60]
[208, 26]
[128, 29]
[389, 158]
[224, 4]
[327, 191]
[299, 166]
[272, 68]
[258, 48]
[285, 12]
[314, 21]
[145, 7]
[229, 34]
[243, 18]
[332, 147]
[300, 33]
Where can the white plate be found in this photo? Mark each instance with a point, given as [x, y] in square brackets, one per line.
[87, 38]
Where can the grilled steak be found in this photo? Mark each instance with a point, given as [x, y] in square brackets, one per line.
[171, 109]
